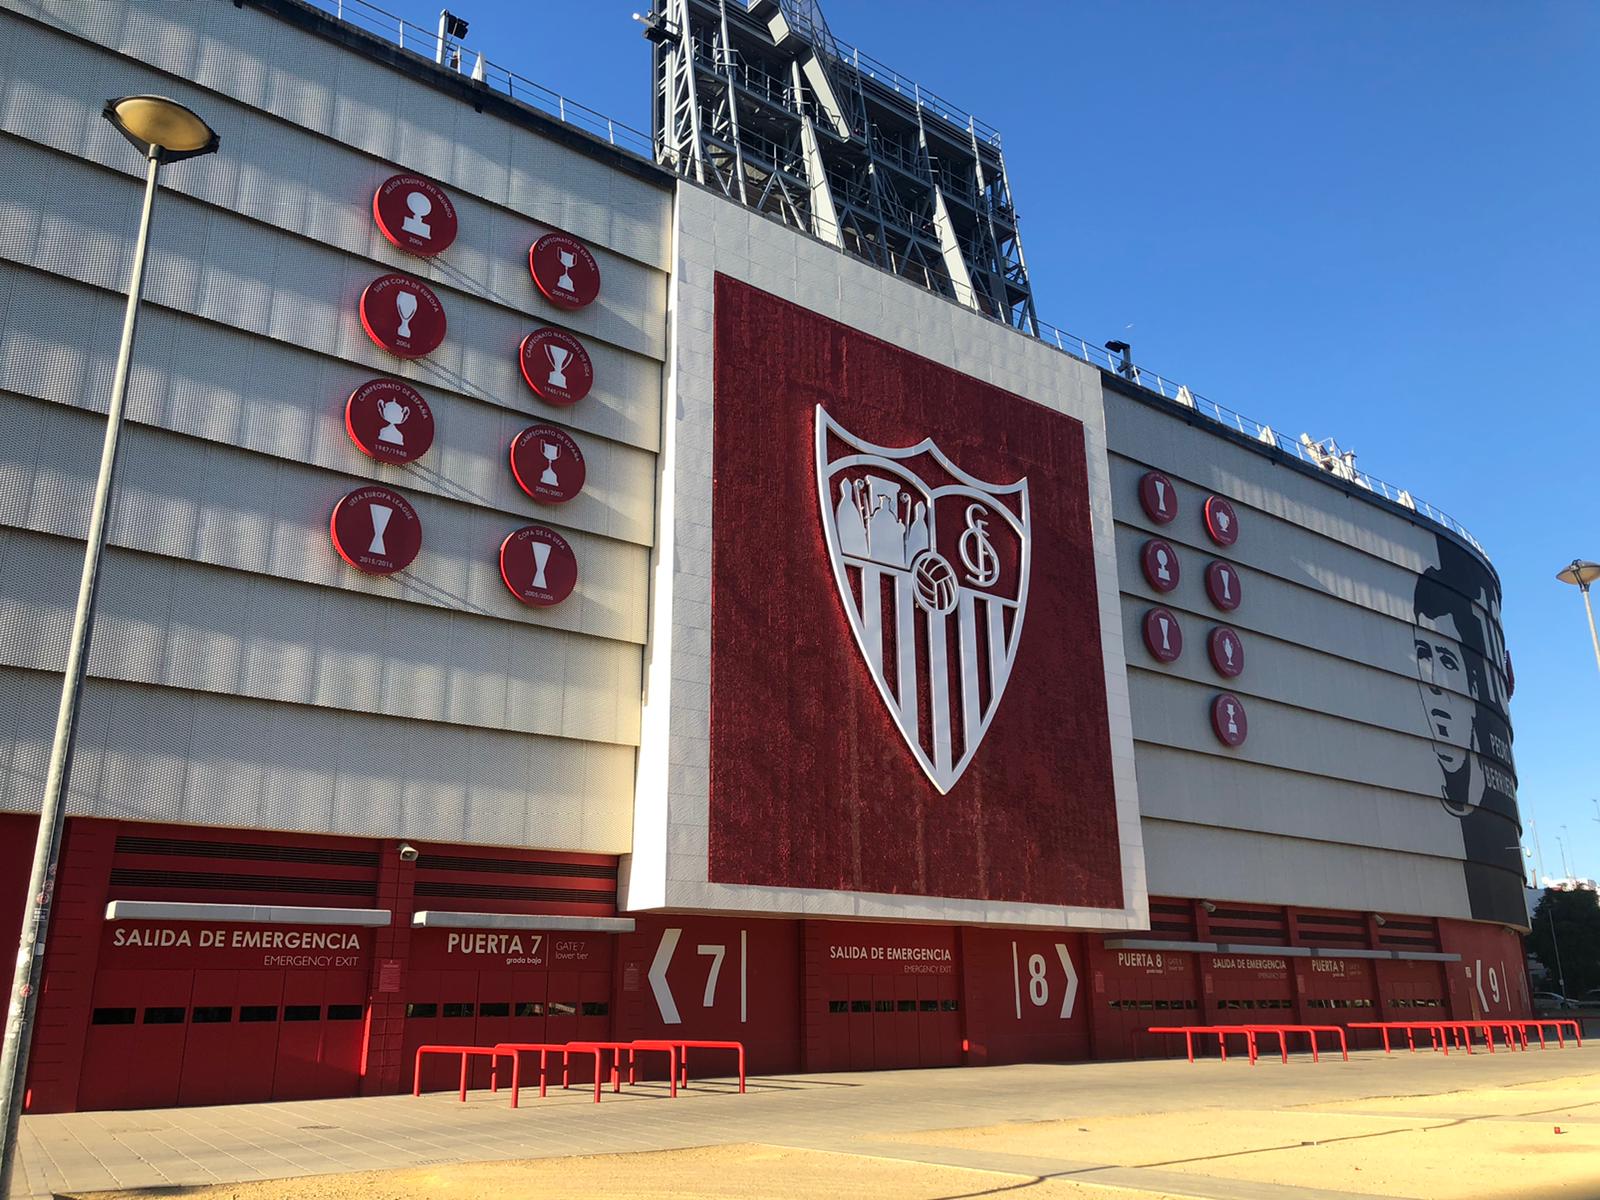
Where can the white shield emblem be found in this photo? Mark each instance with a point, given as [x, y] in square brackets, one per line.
[932, 567]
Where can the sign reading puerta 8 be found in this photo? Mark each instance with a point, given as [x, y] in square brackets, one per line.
[907, 683]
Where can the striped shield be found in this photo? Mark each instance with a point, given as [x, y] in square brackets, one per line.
[932, 567]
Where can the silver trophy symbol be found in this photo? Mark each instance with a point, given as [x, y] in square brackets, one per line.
[551, 453]
[1227, 650]
[1222, 520]
[394, 414]
[1233, 726]
[559, 357]
[406, 305]
[417, 223]
[1163, 622]
[541, 555]
[1161, 496]
[380, 521]
[568, 261]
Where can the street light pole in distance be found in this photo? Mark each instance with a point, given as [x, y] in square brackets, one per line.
[163, 131]
[1582, 574]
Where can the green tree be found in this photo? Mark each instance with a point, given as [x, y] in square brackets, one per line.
[1575, 917]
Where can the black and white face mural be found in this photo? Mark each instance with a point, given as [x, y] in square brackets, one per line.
[1459, 658]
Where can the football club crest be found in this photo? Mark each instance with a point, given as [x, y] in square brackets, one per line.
[932, 568]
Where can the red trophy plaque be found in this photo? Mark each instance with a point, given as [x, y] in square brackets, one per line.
[376, 530]
[389, 421]
[1160, 562]
[1162, 635]
[1226, 651]
[538, 566]
[1157, 497]
[402, 315]
[1223, 586]
[415, 214]
[1228, 720]
[547, 464]
[1221, 523]
[556, 366]
[564, 270]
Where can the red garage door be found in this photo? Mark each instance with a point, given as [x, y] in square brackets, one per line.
[885, 997]
[1135, 989]
[1248, 989]
[184, 1013]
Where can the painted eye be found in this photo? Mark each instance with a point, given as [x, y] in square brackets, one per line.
[1424, 652]
[1449, 661]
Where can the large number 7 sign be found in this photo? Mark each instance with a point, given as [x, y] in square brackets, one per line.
[667, 1002]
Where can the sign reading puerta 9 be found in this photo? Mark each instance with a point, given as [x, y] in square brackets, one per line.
[908, 687]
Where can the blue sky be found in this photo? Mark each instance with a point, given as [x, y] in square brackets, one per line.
[1373, 221]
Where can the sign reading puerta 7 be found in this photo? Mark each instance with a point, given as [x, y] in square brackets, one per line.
[908, 686]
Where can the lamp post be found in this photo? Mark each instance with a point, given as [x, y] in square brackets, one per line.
[1583, 574]
[164, 131]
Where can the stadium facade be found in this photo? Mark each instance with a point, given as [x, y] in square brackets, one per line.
[553, 595]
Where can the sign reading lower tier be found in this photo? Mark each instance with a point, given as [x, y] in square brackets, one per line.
[538, 565]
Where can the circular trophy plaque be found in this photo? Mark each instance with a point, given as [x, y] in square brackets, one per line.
[389, 421]
[538, 566]
[415, 214]
[376, 530]
[1223, 586]
[1226, 651]
[1160, 562]
[1228, 720]
[402, 315]
[564, 270]
[1221, 523]
[556, 366]
[1157, 497]
[1163, 636]
[547, 464]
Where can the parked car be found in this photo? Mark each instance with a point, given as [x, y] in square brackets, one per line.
[1548, 1000]
[1591, 998]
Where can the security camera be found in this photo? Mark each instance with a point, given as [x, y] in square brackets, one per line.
[408, 852]
[1208, 906]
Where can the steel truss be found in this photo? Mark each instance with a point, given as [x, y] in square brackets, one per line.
[761, 102]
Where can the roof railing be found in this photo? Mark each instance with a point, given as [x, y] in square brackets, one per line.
[425, 44]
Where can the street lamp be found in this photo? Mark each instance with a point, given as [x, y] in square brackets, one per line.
[1583, 574]
[164, 131]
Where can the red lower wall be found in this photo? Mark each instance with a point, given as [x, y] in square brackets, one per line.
[148, 1013]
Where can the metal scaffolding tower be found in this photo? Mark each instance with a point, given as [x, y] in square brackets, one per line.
[758, 99]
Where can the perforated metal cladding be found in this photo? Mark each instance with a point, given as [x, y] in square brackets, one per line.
[227, 507]
[275, 174]
[225, 385]
[161, 754]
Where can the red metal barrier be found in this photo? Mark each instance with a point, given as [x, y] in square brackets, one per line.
[467, 1053]
[1310, 1031]
[683, 1056]
[1221, 1032]
[515, 1051]
[1444, 1033]
[670, 1049]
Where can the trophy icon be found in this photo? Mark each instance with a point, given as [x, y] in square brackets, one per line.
[406, 305]
[380, 521]
[393, 414]
[417, 222]
[551, 453]
[1233, 726]
[541, 556]
[568, 261]
[559, 357]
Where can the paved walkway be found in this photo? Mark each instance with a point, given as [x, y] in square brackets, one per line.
[868, 1114]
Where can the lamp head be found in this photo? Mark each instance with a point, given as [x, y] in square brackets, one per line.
[1117, 347]
[160, 128]
[1579, 572]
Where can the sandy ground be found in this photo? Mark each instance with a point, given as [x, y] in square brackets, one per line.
[1472, 1145]
[1490, 1143]
[734, 1172]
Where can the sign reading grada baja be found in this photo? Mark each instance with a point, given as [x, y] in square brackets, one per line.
[403, 316]
[415, 214]
[564, 270]
[389, 421]
[907, 659]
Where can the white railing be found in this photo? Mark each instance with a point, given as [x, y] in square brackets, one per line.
[425, 44]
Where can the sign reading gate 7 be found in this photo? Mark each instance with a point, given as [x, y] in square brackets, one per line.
[713, 954]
